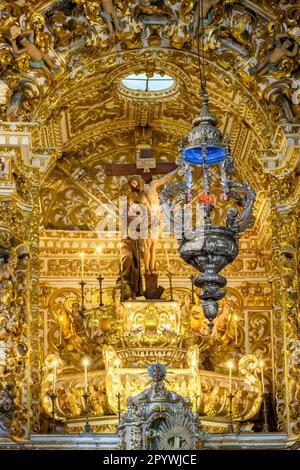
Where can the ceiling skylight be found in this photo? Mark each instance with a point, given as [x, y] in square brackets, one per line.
[140, 82]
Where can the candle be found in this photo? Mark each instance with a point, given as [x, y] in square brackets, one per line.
[85, 365]
[230, 365]
[204, 199]
[82, 265]
[117, 364]
[99, 251]
[261, 363]
[54, 364]
[167, 258]
[235, 328]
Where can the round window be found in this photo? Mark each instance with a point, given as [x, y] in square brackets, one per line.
[140, 82]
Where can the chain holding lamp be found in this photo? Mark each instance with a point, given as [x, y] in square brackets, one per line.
[207, 247]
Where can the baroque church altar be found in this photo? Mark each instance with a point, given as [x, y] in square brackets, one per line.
[99, 330]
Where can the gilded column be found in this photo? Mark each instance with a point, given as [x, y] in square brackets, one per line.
[20, 365]
[285, 241]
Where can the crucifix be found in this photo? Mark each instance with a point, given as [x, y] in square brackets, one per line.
[146, 165]
[144, 190]
[130, 169]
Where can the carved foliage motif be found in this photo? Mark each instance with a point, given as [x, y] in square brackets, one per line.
[286, 313]
[235, 36]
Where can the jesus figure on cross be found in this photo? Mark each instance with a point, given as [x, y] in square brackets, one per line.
[146, 195]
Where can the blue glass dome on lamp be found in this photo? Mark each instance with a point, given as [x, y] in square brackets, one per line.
[214, 155]
[205, 138]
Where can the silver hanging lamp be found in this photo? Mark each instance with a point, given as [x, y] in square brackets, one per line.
[209, 248]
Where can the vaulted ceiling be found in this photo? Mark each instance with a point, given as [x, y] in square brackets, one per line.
[86, 118]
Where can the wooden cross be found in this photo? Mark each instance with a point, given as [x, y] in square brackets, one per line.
[124, 169]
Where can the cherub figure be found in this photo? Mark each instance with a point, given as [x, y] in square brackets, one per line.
[203, 14]
[96, 400]
[77, 321]
[109, 14]
[272, 59]
[7, 277]
[24, 43]
[118, 306]
[2, 167]
[8, 17]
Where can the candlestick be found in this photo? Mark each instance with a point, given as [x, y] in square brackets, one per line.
[261, 363]
[230, 425]
[100, 279]
[117, 364]
[82, 284]
[167, 258]
[82, 265]
[235, 328]
[61, 319]
[192, 280]
[87, 427]
[230, 365]
[54, 364]
[92, 326]
[52, 423]
[171, 285]
[85, 363]
[264, 395]
[99, 251]
[196, 403]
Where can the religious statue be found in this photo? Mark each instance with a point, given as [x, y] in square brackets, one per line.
[3, 351]
[6, 403]
[78, 324]
[24, 43]
[131, 281]
[165, 416]
[73, 328]
[147, 197]
[109, 14]
[96, 399]
[157, 391]
[186, 308]
[70, 401]
[22, 265]
[2, 167]
[118, 307]
[282, 48]
[224, 329]
[7, 278]
[8, 17]
[5, 94]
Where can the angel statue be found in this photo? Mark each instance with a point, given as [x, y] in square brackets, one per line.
[283, 47]
[109, 14]
[24, 43]
[203, 14]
